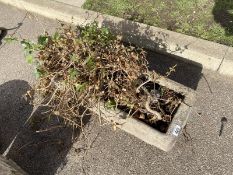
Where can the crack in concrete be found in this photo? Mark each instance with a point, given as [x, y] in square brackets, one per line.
[223, 59]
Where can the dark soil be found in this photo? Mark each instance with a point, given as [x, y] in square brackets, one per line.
[167, 103]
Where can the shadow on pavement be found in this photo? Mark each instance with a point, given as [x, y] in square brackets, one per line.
[132, 32]
[14, 110]
[4, 31]
[186, 73]
[223, 14]
[37, 150]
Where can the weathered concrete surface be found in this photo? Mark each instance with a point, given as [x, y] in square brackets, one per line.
[8, 167]
[209, 54]
[77, 3]
[227, 62]
[104, 151]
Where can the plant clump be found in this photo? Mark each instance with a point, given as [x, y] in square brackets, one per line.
[78, 68]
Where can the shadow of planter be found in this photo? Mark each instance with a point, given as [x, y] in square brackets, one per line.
[186, 73]
[156, 44]
[14, 110]
[36, 150]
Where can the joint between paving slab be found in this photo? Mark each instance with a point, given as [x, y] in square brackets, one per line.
[220, 65]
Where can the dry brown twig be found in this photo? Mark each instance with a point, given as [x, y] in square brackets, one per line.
[85, 67]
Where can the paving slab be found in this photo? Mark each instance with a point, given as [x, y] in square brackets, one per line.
[102, 150]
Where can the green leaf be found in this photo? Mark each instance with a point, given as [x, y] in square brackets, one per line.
[42, 40]
[77, 41]
[89, 62]
[105, 30]
[80, 87]
[56, 36]
[72, 73]
[110, 104]
[10, 39]
[26, 43]
[29, 58]
[38, 73]
[29, 47]
[73, 57]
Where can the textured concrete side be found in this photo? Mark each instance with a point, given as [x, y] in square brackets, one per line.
[77, 3]
[8, 167]
[201, 52]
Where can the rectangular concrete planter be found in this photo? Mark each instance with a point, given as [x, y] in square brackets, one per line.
[139, 129]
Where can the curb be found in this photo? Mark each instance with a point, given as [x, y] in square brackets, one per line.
[77, 3]
[209, 55]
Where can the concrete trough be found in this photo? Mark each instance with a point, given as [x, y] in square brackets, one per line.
[139, 129]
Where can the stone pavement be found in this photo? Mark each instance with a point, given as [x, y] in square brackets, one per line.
[102, 150]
